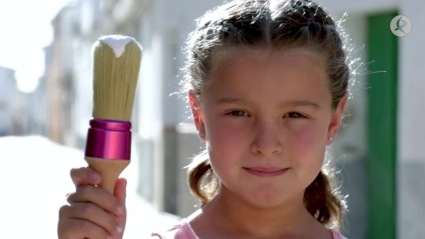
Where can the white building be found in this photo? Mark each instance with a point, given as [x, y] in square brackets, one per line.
[20, 113]
[10, 102]
[38, 101]
[58, 78]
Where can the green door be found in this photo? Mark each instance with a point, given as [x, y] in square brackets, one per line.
[382, 127]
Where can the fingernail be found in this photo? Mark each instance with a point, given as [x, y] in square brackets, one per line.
[119, 229]
[95, 176]
[109, 237]
[120, 211]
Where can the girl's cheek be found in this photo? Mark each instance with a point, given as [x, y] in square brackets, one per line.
[308, 154]
[226, 136]
[306, 139]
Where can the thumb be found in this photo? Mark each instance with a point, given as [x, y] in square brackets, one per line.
[121, 190]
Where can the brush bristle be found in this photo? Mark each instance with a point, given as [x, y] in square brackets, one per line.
[115, 81]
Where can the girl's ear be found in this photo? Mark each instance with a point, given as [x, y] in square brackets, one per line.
[336, 120]
[197, 115]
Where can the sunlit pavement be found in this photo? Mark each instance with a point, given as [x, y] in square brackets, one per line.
[34, 176]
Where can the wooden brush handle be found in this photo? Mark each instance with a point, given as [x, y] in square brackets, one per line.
[110, 169]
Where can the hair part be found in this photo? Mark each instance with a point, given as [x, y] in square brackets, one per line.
[274, 24]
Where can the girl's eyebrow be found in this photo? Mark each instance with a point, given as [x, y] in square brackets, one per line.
[283, 104]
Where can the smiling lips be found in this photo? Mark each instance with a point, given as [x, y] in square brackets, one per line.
[266, 172]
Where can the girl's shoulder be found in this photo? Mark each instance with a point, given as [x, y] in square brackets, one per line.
[180, 231]
[336, 235]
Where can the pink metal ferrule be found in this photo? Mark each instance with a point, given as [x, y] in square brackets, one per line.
[109, 139]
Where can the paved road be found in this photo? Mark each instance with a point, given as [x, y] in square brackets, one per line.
[34, 179]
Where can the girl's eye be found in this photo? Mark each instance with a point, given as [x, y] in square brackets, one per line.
[295, 115]
[237, 113]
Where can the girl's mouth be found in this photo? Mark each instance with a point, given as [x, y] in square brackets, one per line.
[266, 172]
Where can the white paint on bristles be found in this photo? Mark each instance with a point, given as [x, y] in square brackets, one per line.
[117, 43]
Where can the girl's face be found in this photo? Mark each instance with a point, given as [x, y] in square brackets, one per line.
[266, 119]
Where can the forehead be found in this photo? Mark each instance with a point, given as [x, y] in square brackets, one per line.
[291, 73]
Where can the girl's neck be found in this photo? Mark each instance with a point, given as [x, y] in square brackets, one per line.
[232, 216]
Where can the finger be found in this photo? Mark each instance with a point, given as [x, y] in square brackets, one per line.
[96, 215]
[85, 175]
[120, 194]
[121, 190]
[76, 228]
[98, 196]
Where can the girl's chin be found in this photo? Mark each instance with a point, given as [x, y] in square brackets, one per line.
[264, 201]
[269, 196]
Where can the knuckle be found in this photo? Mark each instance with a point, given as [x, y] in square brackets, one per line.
[114, 204]
[74, 172]
[112, 224]
[85, 190]
[84, 225]
[70, 197]
[79, 172]
[87, 208]
[90, 228]
[63, 210]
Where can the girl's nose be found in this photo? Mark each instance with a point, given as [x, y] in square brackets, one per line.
[267, 142]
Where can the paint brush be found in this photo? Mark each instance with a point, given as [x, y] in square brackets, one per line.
[116, 65]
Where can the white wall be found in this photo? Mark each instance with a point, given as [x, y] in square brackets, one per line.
[151, 80]
[411, 124]
[412, 84]
[359, 6]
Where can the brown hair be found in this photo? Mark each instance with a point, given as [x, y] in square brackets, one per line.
[261, 23]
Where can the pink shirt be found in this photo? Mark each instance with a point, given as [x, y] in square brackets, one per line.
[183, 230]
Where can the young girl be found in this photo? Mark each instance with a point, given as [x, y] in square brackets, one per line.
[267, 83]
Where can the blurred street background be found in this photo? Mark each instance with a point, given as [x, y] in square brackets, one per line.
[46, 103]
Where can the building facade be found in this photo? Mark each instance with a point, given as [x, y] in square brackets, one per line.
[10, 102]
[60, 88]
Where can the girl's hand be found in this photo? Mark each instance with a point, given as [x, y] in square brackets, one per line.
[93, 212]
